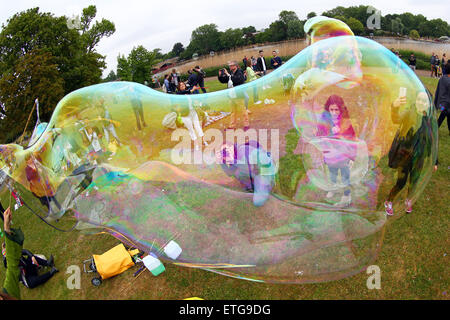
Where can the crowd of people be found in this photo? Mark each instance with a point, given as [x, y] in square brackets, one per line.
[195, 82]
[437, 65]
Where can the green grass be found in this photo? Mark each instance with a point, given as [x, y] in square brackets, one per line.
[413, 258]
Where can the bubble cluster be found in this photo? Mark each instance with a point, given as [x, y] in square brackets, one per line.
[293, 192]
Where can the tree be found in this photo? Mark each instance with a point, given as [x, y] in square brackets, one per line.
[263, 36]
[232, 38]
[413, 34]
[249, 34]
[73, 49]
[177, 49]
[295, 29]
[397, 26]
[137, 66]
[286, 16]
[355, 25]
[92, 36]
[204, 39]
[111, 76]
[36, 75]
[123, 68]
[311, 15]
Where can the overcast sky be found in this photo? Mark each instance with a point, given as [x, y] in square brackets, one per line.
[160, 24]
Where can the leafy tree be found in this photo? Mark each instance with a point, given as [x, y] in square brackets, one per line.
[263, 36]
[137, 66]
[177, 49]
[73, 49]
[397, 26]
[50, 50]
[204, 39]
[249, 34]
[111, 76]
[92, 36]
[123, 68]
[232, 38]
[356, 25]
[278, 31]
[36, 75]
[287, 16]
[311, 15]
[413, 34]
[338, 11]
[295, 29]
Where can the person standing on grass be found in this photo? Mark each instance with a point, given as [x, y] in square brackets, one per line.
[251, 75]
[442, 97]
[410, 147]
[235, 78]
[412, 62]
[432, 64]
[201, 78]
[275, 61]
[443, 62]
[261, 64]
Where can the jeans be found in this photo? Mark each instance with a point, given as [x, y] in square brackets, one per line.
[345, 174]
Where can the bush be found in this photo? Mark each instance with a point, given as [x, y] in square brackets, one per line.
[414, 34]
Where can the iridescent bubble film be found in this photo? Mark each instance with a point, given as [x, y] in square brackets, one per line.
[293, 192]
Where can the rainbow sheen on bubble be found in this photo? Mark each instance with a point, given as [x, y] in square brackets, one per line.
[297, 197]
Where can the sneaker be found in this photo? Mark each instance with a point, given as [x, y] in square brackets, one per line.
[272, 101]
[266, 101]
[388, 208]
[408, 204]
[345, 201]
[330, 194]
[258, 102]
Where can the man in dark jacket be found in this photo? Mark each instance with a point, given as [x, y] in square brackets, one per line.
[261, 64]
[442, 97]
[192, 80]
[412, 62]
[235, 78]
[200, 78]
[433, 65]
[276, 60]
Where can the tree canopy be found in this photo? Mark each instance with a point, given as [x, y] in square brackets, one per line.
[67, 56]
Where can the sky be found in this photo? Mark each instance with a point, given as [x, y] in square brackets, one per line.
[160, 24]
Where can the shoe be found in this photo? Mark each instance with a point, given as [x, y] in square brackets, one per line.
[388, 208]
[51, 261]
[408, 204]
[345, 201]
[258, 102]
[266, 101]
[330, 194]
[272, 101]
[54, 270]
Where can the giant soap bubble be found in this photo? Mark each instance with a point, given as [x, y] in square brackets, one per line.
[293, 192]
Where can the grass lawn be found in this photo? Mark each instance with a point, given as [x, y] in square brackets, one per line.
[413, 258]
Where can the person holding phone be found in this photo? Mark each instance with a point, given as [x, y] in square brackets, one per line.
[410, 146]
